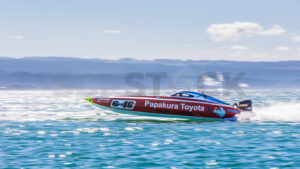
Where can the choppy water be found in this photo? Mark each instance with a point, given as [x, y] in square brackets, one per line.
[58, 129]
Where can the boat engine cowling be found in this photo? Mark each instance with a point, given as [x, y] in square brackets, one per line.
[244, 105]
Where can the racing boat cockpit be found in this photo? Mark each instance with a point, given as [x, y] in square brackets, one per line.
[198, 96]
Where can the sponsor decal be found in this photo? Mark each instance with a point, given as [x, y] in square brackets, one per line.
[123, 104]
[220, 111]
[161, 105]
[233, 111]
[182, 106]
[192, 108]
[243, 105]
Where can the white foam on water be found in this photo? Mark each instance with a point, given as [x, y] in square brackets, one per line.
[138, 128]
[276, 111]
[62, 155]
[60, 105]
[53, 105]
[155, 144]
[168, 141]
[51, 156]
[104, 129]
[212, 163]
[41, 132]
[129, 129]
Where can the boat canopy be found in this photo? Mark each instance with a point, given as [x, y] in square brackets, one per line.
[198, 96]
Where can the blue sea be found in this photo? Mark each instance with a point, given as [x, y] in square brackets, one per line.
[59, 129]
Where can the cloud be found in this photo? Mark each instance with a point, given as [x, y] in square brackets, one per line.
[239, 47]
[243, 85]
[282, 48]
[18, 37]
[274, 30]
[210, 82]
[237, 30]
[112, 31]
[296, 38]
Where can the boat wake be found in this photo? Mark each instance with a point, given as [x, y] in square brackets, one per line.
[45, 106]
[276, 111]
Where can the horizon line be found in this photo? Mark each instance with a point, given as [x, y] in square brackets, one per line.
[136, 59]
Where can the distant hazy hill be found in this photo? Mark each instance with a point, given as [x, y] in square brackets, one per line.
[59, 72]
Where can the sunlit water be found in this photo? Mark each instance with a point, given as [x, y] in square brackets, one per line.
[59, 129]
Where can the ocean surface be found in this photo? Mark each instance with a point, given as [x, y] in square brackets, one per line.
[59, 129]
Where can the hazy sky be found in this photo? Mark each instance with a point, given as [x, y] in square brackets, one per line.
[148, 29]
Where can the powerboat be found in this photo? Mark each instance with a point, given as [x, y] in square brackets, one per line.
[184, 104]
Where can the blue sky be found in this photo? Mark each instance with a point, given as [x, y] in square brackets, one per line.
[172, 29]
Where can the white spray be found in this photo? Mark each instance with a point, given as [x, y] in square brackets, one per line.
[276, 111]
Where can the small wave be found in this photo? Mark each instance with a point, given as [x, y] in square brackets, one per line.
[276, 111]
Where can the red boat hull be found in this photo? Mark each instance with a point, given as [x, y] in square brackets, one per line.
[168, 107]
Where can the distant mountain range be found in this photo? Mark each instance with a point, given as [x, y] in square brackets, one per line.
[74, 73]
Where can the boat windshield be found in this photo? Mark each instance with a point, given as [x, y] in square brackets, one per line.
[198, 96]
